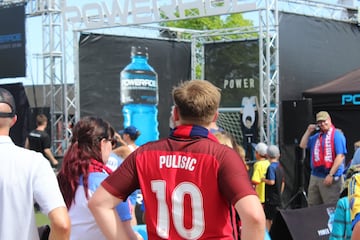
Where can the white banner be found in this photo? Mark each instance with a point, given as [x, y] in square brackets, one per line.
[131, 12]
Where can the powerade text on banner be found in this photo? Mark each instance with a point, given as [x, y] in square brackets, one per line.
[139, 95]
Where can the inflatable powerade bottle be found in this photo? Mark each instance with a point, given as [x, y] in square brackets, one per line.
[140, 96]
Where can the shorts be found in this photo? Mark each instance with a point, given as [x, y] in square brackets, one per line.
[318, 193]
[270, 211]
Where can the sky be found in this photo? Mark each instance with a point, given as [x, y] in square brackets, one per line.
[34, 72]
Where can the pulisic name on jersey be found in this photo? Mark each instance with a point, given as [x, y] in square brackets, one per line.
[177, 161]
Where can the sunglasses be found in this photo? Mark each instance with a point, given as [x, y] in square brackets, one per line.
[112, 140]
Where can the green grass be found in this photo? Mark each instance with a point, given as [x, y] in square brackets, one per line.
[41, 219]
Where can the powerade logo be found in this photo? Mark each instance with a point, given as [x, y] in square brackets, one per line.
[350, 99]
[138, 83]
[10, 38]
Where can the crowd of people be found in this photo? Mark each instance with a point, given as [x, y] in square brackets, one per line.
[195, 183]
[189, 164]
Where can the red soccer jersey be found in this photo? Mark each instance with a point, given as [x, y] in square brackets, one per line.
[187, 184]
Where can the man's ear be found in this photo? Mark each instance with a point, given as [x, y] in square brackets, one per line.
[13, 120]
[216, 116]
[176, 114]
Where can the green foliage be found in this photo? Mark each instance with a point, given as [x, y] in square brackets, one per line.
[211, 22]
[236, 20]
[207, 23]
[231, 21]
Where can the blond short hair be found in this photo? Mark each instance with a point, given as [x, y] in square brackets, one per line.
[197, 101]
[224, 139]
[228, 140]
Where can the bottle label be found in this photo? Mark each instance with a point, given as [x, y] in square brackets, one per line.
[139, 88]
[138, 83]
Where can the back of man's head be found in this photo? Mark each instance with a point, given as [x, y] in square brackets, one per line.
[41, 119]
[197, 101]
[7, 98]
[7, 111]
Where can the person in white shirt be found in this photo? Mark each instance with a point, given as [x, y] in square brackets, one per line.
[26, 177]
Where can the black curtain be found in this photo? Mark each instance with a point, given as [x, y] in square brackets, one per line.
[103, 57]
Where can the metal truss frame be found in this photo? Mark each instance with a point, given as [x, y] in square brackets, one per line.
[54, 69]
[267, 34]
[56, 41]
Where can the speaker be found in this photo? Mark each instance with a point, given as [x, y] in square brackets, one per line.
[168, 33]
[303, 223]
[297, 115]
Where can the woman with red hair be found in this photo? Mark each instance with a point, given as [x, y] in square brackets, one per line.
[83, 169]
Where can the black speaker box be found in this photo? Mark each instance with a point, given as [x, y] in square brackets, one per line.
[303, 223]
[297, 115]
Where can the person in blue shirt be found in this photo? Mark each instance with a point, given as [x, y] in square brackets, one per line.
[342, 227]
[274, 185]
[327, 153]
[356, 158]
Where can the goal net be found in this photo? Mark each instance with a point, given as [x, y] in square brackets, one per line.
[231, 123]
[231, 120]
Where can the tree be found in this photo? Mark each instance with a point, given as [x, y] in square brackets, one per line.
[225, 22]
[231, 21]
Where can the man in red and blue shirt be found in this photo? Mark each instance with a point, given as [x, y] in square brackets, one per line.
[189, 181]
[327, 153]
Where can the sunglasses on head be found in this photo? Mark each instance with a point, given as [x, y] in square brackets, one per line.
[112, 140]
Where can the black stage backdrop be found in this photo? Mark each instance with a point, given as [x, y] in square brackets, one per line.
[312, 51]
[12, 41]
[234, 68]
[103, 57]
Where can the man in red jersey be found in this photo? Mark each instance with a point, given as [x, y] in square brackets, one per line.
[188, 180]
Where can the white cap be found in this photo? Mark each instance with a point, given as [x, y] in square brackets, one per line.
[273, 151]
[261, 148]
